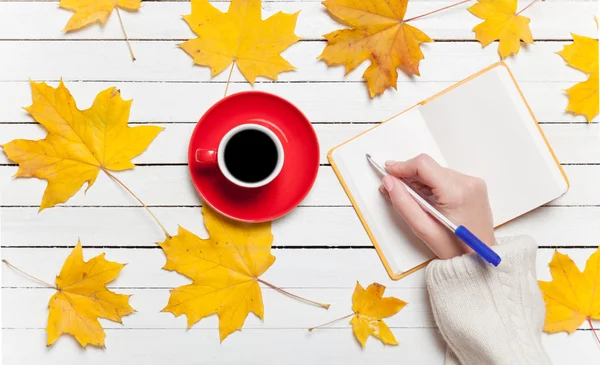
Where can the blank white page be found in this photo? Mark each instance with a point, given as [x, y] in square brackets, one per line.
[399, 139]
[483, 128]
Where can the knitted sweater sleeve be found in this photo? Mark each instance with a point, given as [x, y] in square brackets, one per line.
[490, 315]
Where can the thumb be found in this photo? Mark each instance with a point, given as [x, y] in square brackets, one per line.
[420, 222]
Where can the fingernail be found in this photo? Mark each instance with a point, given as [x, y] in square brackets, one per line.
[389, 163]
[388, 182]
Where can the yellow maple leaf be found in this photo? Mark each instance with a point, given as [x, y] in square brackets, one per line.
[377, 33]
[240, 36]
[370, 309]
[503, 23]
[82, 298]
[572, 296]
[224, 269]
[582, 54]
[91, 11]
[79, 143]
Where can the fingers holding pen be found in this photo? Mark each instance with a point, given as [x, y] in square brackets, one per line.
[422, 168]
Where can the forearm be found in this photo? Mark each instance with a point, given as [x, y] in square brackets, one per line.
[490, 315]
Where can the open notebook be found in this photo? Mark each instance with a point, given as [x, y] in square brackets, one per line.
[482, 126]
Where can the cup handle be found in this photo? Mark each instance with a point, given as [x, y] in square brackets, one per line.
[206, 156]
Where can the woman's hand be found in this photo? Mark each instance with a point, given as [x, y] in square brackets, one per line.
[462, 198]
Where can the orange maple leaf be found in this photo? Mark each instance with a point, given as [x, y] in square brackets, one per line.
[377, 33]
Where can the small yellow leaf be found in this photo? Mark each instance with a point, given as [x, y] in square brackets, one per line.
[370, 308]
[582, 54]
[502, 23]
[240, 36]
[572, 296]
[79, 143]
[82, 298]
[91, 11]
[378, 34]
[224, 269]
[584, 98]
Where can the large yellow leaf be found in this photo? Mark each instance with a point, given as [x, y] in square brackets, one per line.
[240, 36]
[370, 308]
[79, 143]
[501, 22]
[224, 269]
[91, 11]
[82, 298]
[377, 33]
[572, 296]
[582, 54]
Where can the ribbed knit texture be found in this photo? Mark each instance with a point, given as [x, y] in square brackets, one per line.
[488, 315]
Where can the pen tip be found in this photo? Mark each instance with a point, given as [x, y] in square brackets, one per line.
[368, 155]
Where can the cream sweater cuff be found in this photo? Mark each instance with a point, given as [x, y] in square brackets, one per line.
[490, 315]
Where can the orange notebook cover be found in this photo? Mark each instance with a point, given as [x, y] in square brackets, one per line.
[481, 126]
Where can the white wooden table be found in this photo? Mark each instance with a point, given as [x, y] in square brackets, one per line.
[321, 247]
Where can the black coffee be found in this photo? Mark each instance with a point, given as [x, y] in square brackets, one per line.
[251, 156]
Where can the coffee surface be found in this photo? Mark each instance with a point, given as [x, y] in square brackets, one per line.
[251, 156]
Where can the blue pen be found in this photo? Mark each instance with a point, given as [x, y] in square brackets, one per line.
[460, 231]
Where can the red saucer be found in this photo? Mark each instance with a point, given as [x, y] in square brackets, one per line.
[301, 157]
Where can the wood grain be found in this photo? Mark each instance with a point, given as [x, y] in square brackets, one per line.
[163, 61]
[157, 102]
[572, 143]
[170, 186]
[293, 268]
[162, 20]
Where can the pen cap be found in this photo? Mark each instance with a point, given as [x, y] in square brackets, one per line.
[476, 245]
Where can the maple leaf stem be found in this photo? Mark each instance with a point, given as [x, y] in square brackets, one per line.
[139, 200]
[30, 276]
[326, 306]
[125, 33]
[229, 78]
[525, 8]
[435, 11]
[330, 322]
[593, 329]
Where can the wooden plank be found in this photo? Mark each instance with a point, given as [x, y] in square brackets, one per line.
[156, 20]
[572, 143]
[552, 226]
[156, 185]
[148, 304]
[584, 180]
[303, 227]
[149, 301]
[418, 346]
[255, 347]
[333, 226]
[340, 102]
[163, 61]
[577, 348]
[171, 186]
[293, 269]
